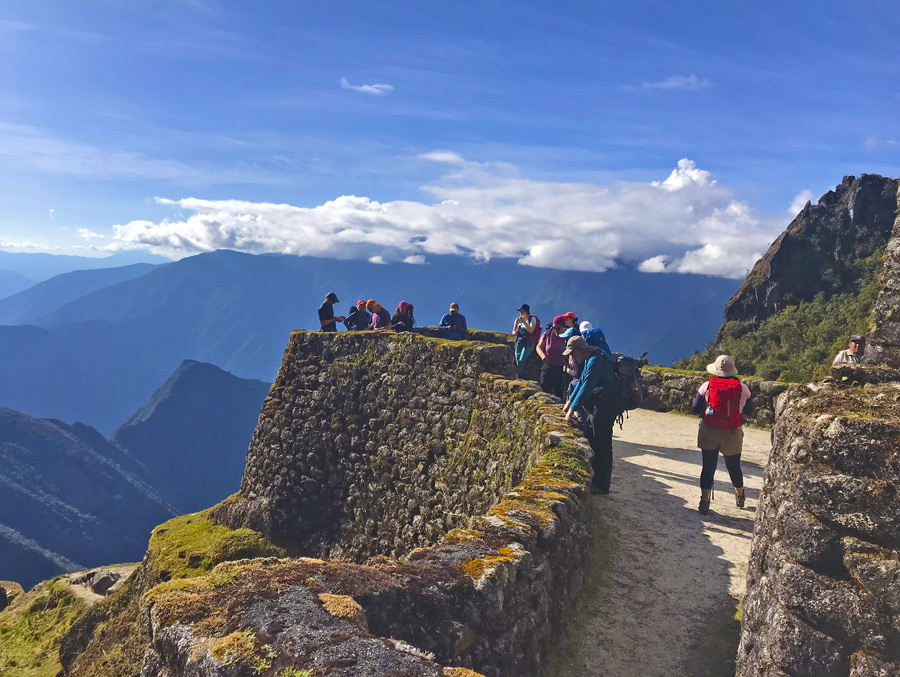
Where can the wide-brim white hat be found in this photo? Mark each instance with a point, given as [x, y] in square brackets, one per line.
[723, 366]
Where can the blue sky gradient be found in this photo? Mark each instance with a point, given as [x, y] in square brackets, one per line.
[105, 106]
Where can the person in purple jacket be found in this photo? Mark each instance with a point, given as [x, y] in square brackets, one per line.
[381, 318]
[550, 349]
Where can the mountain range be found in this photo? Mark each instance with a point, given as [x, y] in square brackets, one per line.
[93, 347]
[71, 499]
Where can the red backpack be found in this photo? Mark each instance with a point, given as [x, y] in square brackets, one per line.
[724, 398]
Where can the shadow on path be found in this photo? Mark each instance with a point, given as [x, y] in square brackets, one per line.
[664, 581]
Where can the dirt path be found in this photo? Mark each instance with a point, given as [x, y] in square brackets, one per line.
[664, 581]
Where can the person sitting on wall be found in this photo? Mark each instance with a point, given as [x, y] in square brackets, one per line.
[403, 319]
[593, 400]
[722, 403]
[358, 319]
[453, 324]
[381, 318]
[853, 354]
[327, 320]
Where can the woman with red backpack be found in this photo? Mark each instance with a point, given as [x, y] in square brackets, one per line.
[721, 402]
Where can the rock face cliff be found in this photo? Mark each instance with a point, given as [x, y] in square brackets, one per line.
[816, 251]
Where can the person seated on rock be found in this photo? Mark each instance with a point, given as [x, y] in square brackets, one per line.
[527, 330]
[453, 324]
[358, 319]
[853, 354]
[403, 319]
[572, 328]
[722, 402]
[550, 349]
[593, 400]
[327, 320]
[381, 318]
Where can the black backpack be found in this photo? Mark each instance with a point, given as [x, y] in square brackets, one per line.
[626, 392]
[629, 382]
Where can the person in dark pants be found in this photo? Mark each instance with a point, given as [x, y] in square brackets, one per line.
[594, 402]
[550, 349]
[327, 320]
[721, 402]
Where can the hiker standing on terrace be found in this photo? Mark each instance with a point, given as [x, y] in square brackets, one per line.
[453, 324]
[594, 401]
[327, 320]
[853, 354]
[722, 401]
[527, 330]
[550, 348]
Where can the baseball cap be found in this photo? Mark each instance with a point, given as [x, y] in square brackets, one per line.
[858, 338]
[576, 343]
[331, 296]
[454, 306]
[524, 307]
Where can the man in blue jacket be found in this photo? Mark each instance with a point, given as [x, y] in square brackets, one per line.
[594, 400]
[453, 324]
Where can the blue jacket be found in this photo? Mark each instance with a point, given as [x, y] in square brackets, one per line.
[453, 327]
[598, 370]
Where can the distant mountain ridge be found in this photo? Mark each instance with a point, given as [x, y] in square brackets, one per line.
[237, 310]
[70, 498]
[192, 435]
[44, 297]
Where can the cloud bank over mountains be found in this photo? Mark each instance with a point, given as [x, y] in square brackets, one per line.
[684, 223]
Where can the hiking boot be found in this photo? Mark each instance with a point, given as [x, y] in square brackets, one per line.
[739, 500]
[704, 507]
[597, 491]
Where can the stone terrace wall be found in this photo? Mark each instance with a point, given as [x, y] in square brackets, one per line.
[373, 444]
[823, 586]
[669, 390]
[489, 596]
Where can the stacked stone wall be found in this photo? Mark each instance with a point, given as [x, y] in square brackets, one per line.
[823, 586]
[422, 435]
[670, 390]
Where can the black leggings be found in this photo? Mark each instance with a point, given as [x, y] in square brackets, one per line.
[711, 460]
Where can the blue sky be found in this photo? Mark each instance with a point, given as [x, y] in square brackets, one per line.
[536, 130]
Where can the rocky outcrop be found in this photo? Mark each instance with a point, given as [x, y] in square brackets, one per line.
[671, 390]
[822, 588]
[884, 343]
[817, 250]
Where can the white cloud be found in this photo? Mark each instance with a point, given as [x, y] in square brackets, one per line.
[377, 259]
[89, 234]
[655, 264]
[685, 223]
[679, 82]
[52, 214]
[873, 143]
[379, 89]
[800, 202]
[415, 259]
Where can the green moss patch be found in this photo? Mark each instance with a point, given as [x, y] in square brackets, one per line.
[32, 626]
[191, 545]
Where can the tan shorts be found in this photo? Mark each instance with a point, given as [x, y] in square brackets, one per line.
[729, 442]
